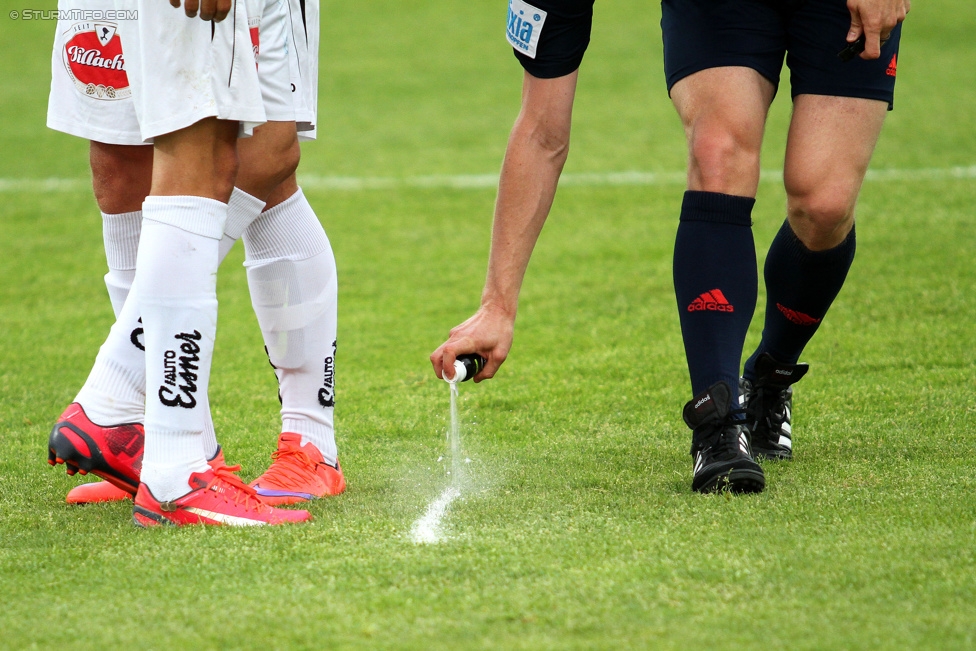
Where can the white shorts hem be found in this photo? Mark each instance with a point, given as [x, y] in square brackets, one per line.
[88, 132]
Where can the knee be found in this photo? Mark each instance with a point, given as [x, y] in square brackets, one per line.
[821, 217]
[267, 159]
[278, 160]
[121, 176]
[291, 156]
[723, 158]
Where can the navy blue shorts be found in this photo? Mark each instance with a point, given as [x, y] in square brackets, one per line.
[549, 37]
[702, 34]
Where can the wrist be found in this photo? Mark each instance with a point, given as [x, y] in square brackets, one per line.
[499, 305]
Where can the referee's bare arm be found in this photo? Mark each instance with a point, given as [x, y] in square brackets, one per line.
[537, 150]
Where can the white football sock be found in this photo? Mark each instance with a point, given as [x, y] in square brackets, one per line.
[115, 390]
[120, 234]
[291, 274]
[180, 453]
[176, 278]
[242, 209]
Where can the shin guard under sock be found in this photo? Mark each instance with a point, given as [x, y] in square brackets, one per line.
[291, 274]
[176, 279]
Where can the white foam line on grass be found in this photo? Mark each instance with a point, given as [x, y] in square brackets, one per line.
[44, 185]
[598, 179]
[428, 529]
[487, 181]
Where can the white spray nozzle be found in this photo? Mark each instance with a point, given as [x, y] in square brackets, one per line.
[460, 373]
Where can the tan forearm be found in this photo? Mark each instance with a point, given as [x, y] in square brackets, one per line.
[537, 150]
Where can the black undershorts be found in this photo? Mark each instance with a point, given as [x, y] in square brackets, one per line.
[549, 37]
[702, 34]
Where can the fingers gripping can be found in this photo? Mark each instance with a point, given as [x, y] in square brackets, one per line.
[466, 367]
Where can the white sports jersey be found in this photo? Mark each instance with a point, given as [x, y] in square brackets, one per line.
[90, 93]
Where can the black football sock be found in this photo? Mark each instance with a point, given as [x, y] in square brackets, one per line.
[715, 283]
[800, 286]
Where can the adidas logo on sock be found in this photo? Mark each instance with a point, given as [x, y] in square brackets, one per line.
[713, 301]
[799, 318]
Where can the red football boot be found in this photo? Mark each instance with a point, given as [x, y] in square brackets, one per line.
[298, 473]
[113, 453]
[217, 497]
[103, 491]
[96, 491]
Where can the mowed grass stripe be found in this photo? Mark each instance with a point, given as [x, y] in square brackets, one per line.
[481, 181]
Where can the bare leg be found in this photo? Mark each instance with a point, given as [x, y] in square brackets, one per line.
[830, 144]
[184, 216]
[269, 159]
[198, 161]
[121, 176]
[723, 111]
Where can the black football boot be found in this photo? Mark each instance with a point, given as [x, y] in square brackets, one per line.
[720, 445]
[768, 403]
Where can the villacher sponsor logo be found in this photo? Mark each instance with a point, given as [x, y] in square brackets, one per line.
[713, 301]
[799, 318]
[254, 28]
[92, 57]
[181, 367]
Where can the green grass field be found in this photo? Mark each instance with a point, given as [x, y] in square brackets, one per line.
[578, 528]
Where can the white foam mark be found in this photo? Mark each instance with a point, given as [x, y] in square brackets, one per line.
[45, 185]
[600, 179]
[483, 181]
[429, 529]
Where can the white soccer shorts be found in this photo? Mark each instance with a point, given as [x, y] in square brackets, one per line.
[90, 93]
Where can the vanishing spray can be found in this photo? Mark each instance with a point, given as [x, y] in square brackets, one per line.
[466, 367]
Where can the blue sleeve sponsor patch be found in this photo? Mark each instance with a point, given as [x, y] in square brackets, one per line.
[524, 27]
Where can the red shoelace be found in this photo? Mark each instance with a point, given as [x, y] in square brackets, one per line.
[243, 494]
[289, 467]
